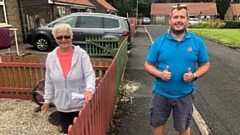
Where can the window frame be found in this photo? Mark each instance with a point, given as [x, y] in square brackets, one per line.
[61, 10]
[2, 3]
[160, 18]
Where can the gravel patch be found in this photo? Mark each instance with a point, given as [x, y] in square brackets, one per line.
[17, 117]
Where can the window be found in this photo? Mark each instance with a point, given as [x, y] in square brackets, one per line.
[3, 16]
[110, 23]
[160, 18]
[205, 18]
[61, 10]
[69, 20]
[90, 22]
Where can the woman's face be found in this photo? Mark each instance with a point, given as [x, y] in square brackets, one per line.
[64, 39]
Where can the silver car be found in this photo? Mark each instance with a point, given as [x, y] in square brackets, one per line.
[194, 21]
[83, 25]
[146, 20]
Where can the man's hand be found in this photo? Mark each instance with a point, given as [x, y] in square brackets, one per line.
[166, 76]
[45, 107]
[188, 77]
[88, 95]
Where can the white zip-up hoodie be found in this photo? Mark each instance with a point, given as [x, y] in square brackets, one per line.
[80, 78]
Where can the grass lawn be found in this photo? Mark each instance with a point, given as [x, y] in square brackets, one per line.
[229, 37]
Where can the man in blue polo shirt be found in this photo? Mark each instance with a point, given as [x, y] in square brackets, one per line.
[172, 60]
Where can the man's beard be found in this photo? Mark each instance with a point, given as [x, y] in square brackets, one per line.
[178, 32]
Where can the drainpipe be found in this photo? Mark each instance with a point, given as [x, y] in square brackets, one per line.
[21, 19]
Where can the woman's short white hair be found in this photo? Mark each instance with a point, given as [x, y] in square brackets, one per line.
[61, 27]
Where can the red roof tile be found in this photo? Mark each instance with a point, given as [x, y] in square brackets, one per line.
[78, 2]
[194, 8]
[106, 5]
[235, 9]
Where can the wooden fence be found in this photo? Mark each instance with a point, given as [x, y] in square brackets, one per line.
[20, 74]
[102, 47]
[95, 117]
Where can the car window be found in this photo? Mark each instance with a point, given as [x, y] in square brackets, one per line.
[90, 22]
[146, 18]
[110, 23]
[127, 24]
[69, 20]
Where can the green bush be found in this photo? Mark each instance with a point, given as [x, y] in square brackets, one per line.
[221, 25]
[205, 24]
[232, 24]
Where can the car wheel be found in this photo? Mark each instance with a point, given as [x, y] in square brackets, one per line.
[42, 44]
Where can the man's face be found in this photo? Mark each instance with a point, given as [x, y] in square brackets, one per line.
[179, 21]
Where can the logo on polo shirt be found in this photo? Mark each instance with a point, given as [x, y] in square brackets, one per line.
[190, 49]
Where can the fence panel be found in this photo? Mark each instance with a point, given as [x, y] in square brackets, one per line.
[20, 74]
[121, 60]
[102, 47]
[95, 116]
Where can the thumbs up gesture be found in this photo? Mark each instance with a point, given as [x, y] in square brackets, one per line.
[188, 77]
[166, 75]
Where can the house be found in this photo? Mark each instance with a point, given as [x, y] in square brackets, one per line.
[205, 11]
[26, 14]
[233, 12]
[103, 7]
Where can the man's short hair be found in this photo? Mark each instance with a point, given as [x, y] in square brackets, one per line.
[179, 7]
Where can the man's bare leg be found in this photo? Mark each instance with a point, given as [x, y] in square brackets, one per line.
[187, 132]
[158, 130]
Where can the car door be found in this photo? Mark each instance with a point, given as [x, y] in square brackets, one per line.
[88, 26]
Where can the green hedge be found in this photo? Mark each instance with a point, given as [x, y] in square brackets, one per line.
[206, 24]
[232, 24]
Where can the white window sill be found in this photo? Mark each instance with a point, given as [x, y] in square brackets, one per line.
[5, 26]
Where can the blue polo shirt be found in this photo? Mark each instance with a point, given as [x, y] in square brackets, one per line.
[179, 56]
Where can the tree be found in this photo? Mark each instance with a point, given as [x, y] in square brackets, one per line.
[123, 7]
[222, 6]
[144, 6]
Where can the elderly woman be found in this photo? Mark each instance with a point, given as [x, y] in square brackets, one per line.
[68, 70]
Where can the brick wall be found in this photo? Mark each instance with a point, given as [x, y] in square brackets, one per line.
[99, 7]
[13, 17]
[37, 7]
[28, 7]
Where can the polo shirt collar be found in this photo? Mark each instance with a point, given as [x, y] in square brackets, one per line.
[187, 36]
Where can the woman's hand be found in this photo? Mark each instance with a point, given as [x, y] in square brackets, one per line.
[45, 107]
[88, 95]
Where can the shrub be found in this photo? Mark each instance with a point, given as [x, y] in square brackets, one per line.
[208, 25]
[232, 24]
[221, 25]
